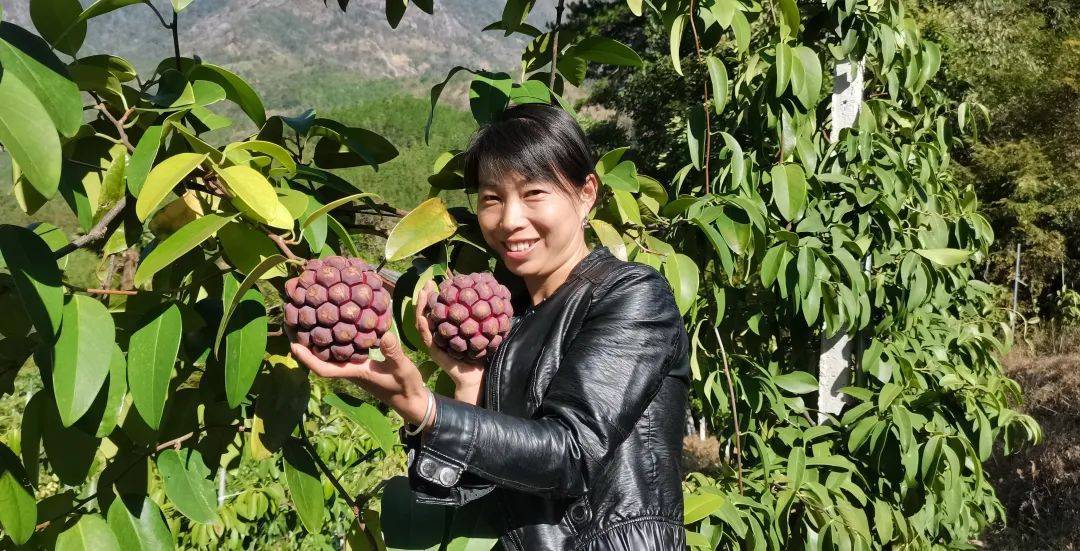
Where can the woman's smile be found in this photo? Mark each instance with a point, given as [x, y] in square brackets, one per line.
[519, 249]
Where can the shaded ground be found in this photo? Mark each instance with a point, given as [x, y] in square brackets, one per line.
[1040, 487]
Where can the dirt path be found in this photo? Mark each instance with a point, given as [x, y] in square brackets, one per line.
[1040, 488]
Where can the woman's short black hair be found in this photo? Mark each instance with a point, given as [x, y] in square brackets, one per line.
[537, 141]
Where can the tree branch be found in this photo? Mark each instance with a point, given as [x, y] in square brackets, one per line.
[176, 40]
[734, 411]
[174, 443]
[306, 442]
[119, 124]
[555, 46]
[705, 104]
[281, 244]
[99, 231]
[157, 13]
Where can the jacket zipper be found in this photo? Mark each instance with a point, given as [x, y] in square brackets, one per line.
[493, 381]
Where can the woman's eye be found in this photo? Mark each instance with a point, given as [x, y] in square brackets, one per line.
[534, 192]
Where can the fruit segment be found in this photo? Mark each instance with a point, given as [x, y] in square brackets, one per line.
[338, 308]
[469, 315]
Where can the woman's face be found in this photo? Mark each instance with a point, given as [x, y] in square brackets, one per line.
[534, 226]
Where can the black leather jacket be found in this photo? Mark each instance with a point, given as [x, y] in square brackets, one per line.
[579, 440]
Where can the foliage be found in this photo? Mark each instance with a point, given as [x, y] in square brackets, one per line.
[762, 228]
[1025, 165]
[902, 465]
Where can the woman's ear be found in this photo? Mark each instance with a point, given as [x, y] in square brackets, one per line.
[588, 192]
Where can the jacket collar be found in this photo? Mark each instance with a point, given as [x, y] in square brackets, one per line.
[594, 257]
[582, 269]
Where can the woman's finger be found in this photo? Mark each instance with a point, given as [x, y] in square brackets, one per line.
[307, 359]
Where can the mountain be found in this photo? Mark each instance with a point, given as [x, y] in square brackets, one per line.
[281, 42]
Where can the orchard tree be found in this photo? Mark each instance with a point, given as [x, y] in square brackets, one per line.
[785, 226]
[175, 372]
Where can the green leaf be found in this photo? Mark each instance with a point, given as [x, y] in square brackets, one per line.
[30, 59]
[113, 186]
[151, 353]
[796, 382]
[142, 159]
[302, 478]
[36, 276]
[789, 190]
[605, 50]
[699, 506]
[627, 206]
[635, 7]
[28, 134]
[247, 247]
[436, 91]
[369, 418]
[187, 484]
[248, 283]
[101, 7]
[472, 527]
[141, 530]
[162, 179]
[695, 135]
[944, 257]
[395, 10]
[718, 76]
[255, 196]
[514, 13]
[784, 57]
[176, 245]
[91, 533]
[796, 467]
[534, 91]
[236, 89]
[789, 19]
[488, 95]
[771, 265]
[331, 206]
[270, 149]
[408, 523]
[738, 172]
[117, 389]
[809, 89]
[427, 224]
[741, 28]
[52, 17]
[683, 274]
[179, 5]
[344, 146]
[675, 41]
[245, 341]
[18, 510]
[609, 238]
[81, 356]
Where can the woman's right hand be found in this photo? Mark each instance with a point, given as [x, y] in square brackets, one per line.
[467, 376]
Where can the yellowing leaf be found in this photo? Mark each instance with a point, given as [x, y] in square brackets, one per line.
[162, 179]
[427, 224]
[255, 196]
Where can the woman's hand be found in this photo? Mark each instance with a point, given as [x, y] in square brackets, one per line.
[467, 376]
[395, 381]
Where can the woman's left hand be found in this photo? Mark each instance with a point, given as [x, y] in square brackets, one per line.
[395, 381]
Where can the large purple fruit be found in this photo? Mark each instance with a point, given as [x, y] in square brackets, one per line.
[469, 315]
[338, 308]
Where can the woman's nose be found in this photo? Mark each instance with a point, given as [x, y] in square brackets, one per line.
[513, 218]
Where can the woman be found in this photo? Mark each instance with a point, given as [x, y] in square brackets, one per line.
[574, 426]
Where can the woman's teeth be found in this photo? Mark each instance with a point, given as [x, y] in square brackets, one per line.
[520, 246]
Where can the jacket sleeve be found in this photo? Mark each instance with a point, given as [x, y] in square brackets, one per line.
[610, 372]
